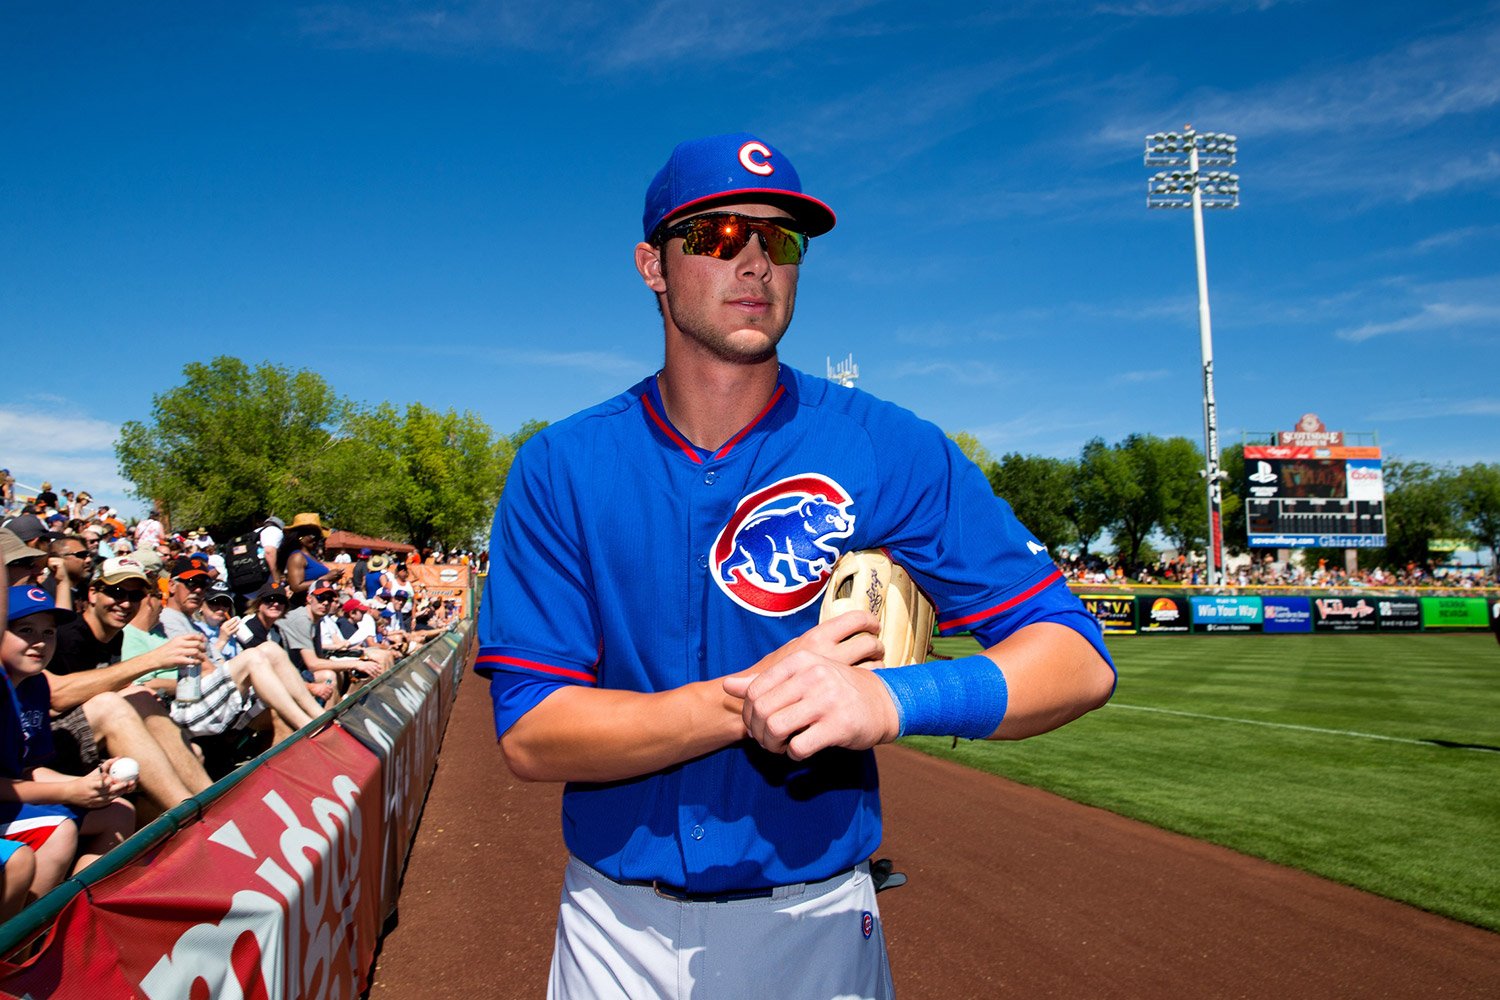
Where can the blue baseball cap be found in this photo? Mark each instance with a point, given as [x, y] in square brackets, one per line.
[28, 600]
[723, 169]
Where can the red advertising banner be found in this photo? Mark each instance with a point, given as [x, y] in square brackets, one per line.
[274, 893]
[1310, 451]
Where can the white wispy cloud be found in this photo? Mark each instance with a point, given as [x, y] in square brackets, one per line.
[963, 373]
[1487, 406]
[61, 434]
[689, 30]
[76, 452]
[1404, 89]
[1182, 8]
[597, 362]
[450, 24]
[1431, 316]
[602, 37]
[1135, 377]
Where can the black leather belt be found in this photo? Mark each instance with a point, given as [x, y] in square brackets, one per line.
[679, 894]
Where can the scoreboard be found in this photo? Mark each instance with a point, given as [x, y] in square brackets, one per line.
[1300, 496]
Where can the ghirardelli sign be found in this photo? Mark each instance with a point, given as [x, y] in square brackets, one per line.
[1311, 432]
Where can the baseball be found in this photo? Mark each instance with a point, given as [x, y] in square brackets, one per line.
[125, 769]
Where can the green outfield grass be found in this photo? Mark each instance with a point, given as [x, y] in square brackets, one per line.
[1391, 784]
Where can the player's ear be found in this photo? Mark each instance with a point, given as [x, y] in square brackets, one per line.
[648, 263]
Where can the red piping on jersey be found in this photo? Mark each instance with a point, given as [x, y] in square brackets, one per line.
[775, 396]
[515, 661]
[1003, 605]
[666, 429]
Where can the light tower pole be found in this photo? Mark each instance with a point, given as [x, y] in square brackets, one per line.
[1199, 189]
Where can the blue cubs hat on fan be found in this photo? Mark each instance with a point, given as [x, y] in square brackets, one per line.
[28, 600]
[724, 169]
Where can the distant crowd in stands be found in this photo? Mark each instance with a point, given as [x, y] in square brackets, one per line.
[142, 663]
[1262, 570]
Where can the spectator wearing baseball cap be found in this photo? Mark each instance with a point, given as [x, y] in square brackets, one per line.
[302, 630]
[67, 821]
[30, 529]
[228, 701]
[101, 709]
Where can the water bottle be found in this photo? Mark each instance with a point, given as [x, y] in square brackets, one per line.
[190, 681]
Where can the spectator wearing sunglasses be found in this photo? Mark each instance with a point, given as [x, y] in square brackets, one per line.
[228, 701]
[97, 704]
[68, 571]
[267, 607]
[300, 566]
[302, 629]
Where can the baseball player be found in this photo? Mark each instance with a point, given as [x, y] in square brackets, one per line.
[650, 623]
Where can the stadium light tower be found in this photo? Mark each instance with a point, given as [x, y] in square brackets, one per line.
[1186, 185]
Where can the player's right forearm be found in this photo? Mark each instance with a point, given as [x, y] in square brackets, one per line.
[589, 734]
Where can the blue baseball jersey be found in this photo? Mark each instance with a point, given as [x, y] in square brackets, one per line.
[625, 557]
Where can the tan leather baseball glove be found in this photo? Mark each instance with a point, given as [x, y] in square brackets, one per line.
[869, 580]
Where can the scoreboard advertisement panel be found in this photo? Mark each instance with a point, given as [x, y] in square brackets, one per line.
[1300, 496]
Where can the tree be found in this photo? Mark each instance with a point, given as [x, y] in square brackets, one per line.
[1177, 466]
[1478, 489]
[1088, 502]
[232, 443]
[1421, 504]
[1039, 490]
[440, 474]
[972, 449]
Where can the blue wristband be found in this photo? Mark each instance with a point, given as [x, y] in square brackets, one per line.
[965, 697]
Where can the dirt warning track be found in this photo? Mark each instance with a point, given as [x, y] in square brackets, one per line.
[1013, 892]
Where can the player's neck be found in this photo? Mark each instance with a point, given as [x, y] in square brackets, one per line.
[709, 400]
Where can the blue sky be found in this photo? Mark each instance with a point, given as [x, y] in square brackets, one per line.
[438, 201]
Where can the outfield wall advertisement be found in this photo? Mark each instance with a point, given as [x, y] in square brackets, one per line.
[1399, 614]
[1287, 614]
[1227, 614]
[1163, 615]
[1116, 614]
[1345, 614]
[1172, 614]
[1455, 612]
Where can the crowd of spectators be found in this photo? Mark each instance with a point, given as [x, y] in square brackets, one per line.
[1263, 570]
[143, 663]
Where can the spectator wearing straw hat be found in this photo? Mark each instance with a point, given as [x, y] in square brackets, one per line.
[300, 567]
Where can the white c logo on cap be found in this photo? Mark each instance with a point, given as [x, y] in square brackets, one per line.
[762, 166]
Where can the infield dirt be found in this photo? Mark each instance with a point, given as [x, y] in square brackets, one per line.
[1013, 892]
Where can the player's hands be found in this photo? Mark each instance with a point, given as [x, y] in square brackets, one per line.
[810, 694]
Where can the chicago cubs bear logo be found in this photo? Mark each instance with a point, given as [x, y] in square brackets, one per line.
[779, 546]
